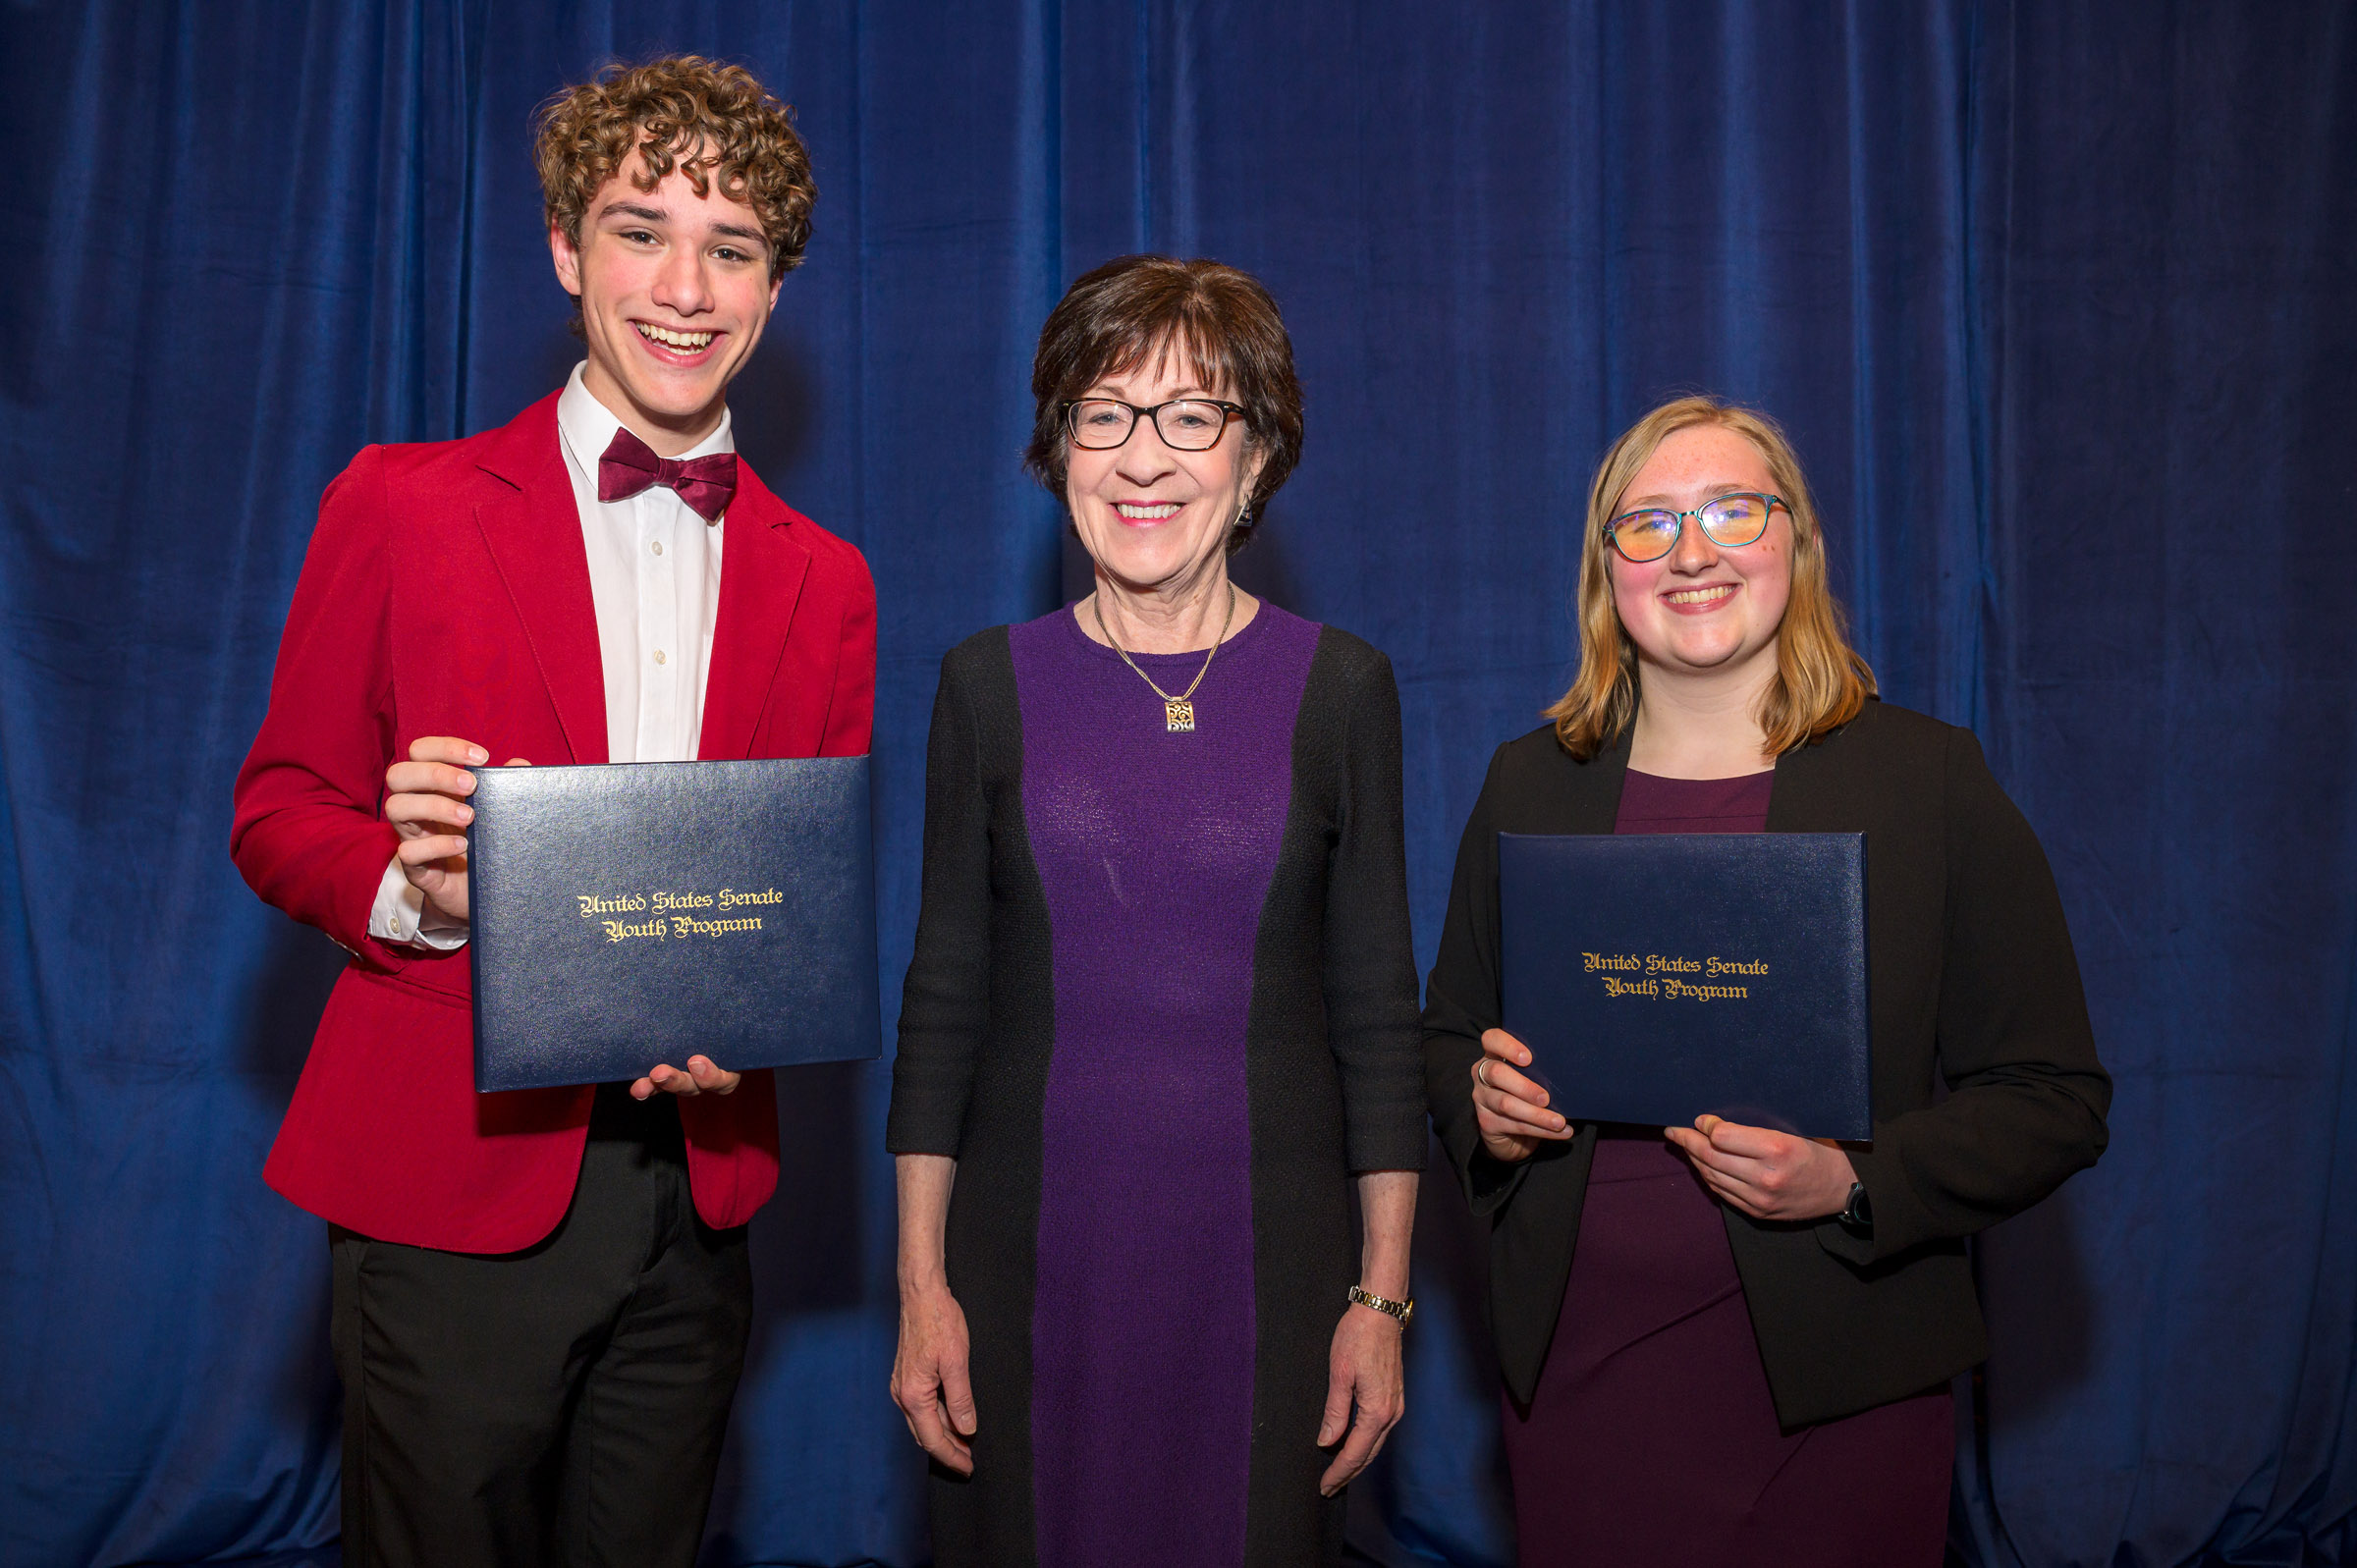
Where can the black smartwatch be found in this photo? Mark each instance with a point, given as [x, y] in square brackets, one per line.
[1858, 1213]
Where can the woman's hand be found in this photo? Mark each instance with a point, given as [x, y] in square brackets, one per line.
[1363, 1371]
[929, 1369]
[929, 1376]
[1765, 1174]
[1508, 1109]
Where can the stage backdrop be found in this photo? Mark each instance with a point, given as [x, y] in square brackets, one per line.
[2059, 302]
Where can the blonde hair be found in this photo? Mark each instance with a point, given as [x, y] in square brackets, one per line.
[1821, 682]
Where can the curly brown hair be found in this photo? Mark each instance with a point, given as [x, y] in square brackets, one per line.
[681, 111]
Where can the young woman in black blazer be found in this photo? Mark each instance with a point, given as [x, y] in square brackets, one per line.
[1724, 1343]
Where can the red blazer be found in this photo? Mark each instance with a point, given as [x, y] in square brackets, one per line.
[446, 592]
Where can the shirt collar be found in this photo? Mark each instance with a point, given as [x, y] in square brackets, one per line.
[588, 426]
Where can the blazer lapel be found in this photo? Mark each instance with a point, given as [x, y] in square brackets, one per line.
[1808, 795]
[533, 530]
[1593, 803]
[762, 570]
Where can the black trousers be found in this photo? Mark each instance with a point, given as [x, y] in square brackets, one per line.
[562, 1405]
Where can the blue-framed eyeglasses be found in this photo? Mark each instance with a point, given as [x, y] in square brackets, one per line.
[1738, 517]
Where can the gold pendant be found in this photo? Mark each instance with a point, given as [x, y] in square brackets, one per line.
[1181, 713]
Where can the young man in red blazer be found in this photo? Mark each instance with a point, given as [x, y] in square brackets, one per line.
[541, 1298]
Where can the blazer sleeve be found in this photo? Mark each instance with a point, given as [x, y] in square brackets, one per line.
[1370, 961]
[307, 831]
[1462, 998]
[945, 1001]
[2027, 1096]
[851, 706]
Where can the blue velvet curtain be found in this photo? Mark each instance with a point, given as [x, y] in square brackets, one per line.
[2058, 301]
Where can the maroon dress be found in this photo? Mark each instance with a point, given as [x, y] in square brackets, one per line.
[1651, 1437]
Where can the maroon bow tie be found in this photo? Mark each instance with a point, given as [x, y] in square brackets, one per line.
[630, 465]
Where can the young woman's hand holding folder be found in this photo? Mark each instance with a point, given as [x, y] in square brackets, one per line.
[1765, 1174]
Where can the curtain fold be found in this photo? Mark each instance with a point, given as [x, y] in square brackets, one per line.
[2058, 304]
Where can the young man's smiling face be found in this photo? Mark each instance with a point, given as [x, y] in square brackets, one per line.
[675, 290]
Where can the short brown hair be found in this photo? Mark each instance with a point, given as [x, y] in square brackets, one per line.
[1227, 325]
[1821, 682]
[684, 110]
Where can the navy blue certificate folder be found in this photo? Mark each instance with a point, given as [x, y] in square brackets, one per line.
[635, 913]
[1656, 977]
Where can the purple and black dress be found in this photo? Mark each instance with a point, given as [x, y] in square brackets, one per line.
[1161, 1007]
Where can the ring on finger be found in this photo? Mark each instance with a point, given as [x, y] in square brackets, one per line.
[1481, 1073]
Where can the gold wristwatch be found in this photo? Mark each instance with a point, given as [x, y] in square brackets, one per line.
[1401, 1309]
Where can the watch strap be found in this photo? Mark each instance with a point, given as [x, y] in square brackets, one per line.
[1401, 1309]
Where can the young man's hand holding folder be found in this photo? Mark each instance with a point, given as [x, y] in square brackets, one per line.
[426, 803]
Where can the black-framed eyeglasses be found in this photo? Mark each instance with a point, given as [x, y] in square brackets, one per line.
[1738, 517]
[1187, 424]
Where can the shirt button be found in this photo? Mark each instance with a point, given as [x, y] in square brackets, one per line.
[659, 655]
[658, 547]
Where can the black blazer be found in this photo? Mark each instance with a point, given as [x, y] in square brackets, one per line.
[1972, 982]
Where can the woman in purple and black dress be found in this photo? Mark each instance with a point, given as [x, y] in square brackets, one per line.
[1162, 1009]
[1721, 1344]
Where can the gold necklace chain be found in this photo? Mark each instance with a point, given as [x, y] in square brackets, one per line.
[1179, 713]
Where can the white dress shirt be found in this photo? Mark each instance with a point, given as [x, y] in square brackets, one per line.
[654, 580]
